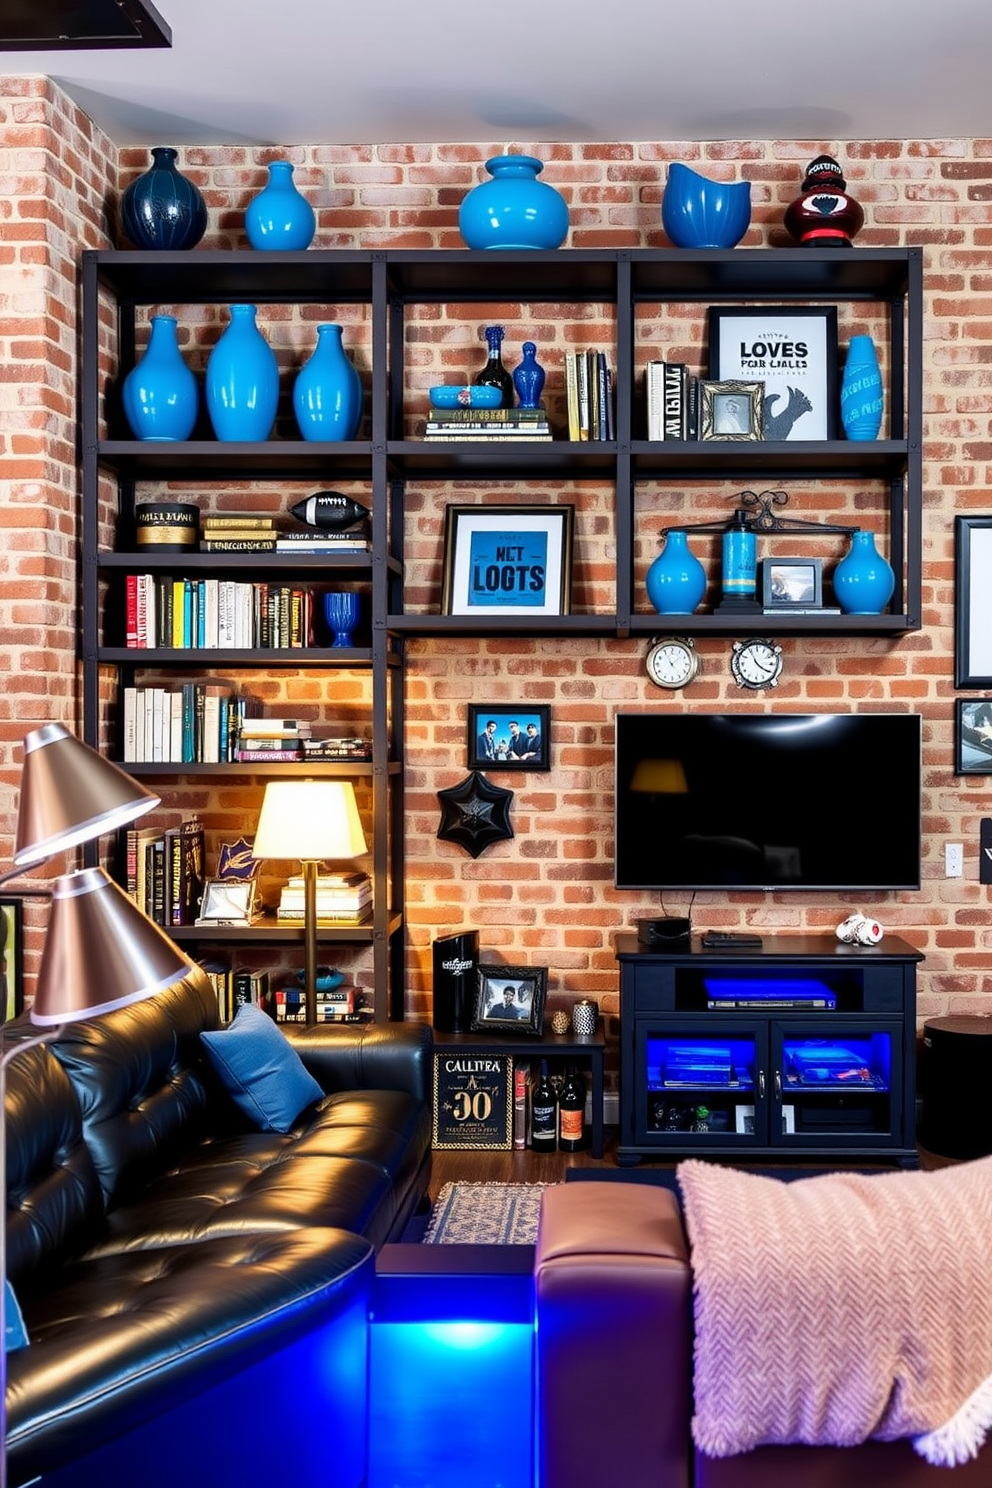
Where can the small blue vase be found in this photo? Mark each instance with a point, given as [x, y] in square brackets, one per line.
[341, 614]
[676, 580]
[514, 209]
[327, 394]
[699, 213]
[528, 378]
[160, 395]
[279, 216]
[162, 208]
[242, 381]
[863, 580]
[861, 395]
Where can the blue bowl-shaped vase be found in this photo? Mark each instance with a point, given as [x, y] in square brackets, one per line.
[697, 213]
[450, 396]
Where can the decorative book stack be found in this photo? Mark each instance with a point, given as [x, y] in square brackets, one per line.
[315, 540]
[339, 1004]
[488, 424]
[344, 748]
[342, 899]
[238, 534]
[271, 740]
[672, 401]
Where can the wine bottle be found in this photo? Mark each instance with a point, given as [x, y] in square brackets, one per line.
[544, 1114]
[494, 374]
[571, 1111]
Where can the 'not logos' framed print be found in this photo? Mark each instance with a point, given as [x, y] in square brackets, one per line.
[507, 560]
[792, 349]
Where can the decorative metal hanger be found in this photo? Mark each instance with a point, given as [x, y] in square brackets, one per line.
[763, 517]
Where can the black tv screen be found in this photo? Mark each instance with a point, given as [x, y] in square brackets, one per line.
[768, 801]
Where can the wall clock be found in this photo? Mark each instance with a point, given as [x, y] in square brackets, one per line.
[672, 662]
[756, 663]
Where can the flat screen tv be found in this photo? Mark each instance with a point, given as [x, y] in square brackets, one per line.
[768, 801]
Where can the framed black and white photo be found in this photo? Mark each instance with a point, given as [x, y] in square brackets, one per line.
[11, 959]
[228, 901]
[729, 409]
[507, 560]
[792, 583]
[792, 350]
[510, 999]
[973, 736]
[973, 601]
[509, 738]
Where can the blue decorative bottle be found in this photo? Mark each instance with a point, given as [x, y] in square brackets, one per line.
[528, 378]
[676, 580]
[861, 395]
[160, 395]
[163, 208]
[280, 216]
[740, 559]
[863, 580]
[514, 209]
[327, 394]
[242, 381]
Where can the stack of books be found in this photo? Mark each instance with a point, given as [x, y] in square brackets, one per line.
[238, 534]
[342, 1004]
[345, 748]
[271, 740]
[342, 899]
[589, 396]
[488, 424]
[672, 401]
[316, 540]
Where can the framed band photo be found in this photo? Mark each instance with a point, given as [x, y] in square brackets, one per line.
[792, 349]
[973, 602]
[730, 409]
[507, 560]
[510, 999]
[509, 739]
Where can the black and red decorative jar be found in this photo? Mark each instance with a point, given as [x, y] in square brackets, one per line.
[824, 216]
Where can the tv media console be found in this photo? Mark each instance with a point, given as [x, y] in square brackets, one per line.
[801, 1049]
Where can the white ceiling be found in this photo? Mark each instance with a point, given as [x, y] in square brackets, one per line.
[327, 71]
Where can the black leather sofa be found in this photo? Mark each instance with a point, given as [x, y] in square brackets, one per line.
[187, 1280]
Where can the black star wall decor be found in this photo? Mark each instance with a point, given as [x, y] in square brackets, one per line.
[475, 814]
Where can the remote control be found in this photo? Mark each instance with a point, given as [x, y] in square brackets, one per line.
[715, 940]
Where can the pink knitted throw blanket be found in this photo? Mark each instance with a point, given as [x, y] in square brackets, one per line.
[833, 1309]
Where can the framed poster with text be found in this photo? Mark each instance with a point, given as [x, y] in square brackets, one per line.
[792, 349]
[473, 1101]
[507, 560]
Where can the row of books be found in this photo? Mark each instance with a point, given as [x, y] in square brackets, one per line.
[342, 899]
[236, 987]
[207, 723]
[207, 614]
[672, 401]
[343, 1005]
[589, 396]
[164, 871]
[245, 534]
[488, 424]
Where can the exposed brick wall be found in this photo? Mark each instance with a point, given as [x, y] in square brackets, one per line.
[545, 897]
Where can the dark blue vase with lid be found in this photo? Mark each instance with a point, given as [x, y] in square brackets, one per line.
[327, 394]
[160, 394]
[163, 209]
[242, 381]
[528, 378]
[280, 216]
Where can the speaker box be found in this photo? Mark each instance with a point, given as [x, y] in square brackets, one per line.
[456, 967]
[670, 933]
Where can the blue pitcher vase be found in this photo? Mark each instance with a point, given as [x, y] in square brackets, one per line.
[863, 580]
[327, 394]
[280, 216]
[242, 381]
[861, 395]
[514, 209]
[676, 580]
[160, 395]
[163, 208]
[528, 378]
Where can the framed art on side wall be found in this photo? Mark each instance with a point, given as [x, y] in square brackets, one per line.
[973, 736]
[507, 560]
[11, 959]
[973, 602]
[792, 349]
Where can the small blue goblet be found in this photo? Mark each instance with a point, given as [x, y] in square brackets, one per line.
[341, 614]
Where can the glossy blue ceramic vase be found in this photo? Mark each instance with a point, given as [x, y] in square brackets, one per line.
[160, 395]
[242, 381]
[528, 378]
[863, 580]
[676, 580]
[861, 396]
[698, 213]
[162, 208]
[514, 209]
[341, 614]
[280, 216]
[327, 394]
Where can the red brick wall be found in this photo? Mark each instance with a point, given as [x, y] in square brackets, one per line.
[545, 897]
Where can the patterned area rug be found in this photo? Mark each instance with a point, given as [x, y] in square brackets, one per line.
[485, 1214]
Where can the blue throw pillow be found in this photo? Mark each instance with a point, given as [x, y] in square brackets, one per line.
[16, 1335]
[261, 1071]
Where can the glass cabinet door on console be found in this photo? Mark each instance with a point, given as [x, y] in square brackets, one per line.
[836, 1085]
[705, 1079]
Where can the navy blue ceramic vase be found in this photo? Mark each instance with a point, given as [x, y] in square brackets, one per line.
[242, 381]
[528, 378]
[863, 580]
[514, 209]
[327, 394]
[163, 208]
[280, 216]
[676, 580]
[160, 394]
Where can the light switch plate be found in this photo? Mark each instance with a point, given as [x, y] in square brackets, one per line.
[953, 859]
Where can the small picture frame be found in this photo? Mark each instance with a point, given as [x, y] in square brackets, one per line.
[510, 999]
[973, 601]
[744, 1120]
[729, 409]
[792, 351]
[792, 583]
[973, 736]
[507, 560]
[228, 901]
[11, 959]
[502, 738]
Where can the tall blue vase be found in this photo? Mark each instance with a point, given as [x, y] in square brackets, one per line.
[160, 395]
[676, 580]
[242, 381]
[861, 394]
[280, 216]
[863, 580]
[514, 209]
[163, 208]
[528, 378]
[327, 394]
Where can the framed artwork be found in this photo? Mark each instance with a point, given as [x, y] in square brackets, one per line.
[11, 959]
[507, 560]
[792, 350]
[512, 739]
[473, 1103]
[510, 999]
[792, 583]
[973, 602]
[973, 736]
[228, 901]
[730, 409]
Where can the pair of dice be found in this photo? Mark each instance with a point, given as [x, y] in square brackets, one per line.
[859, 929]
